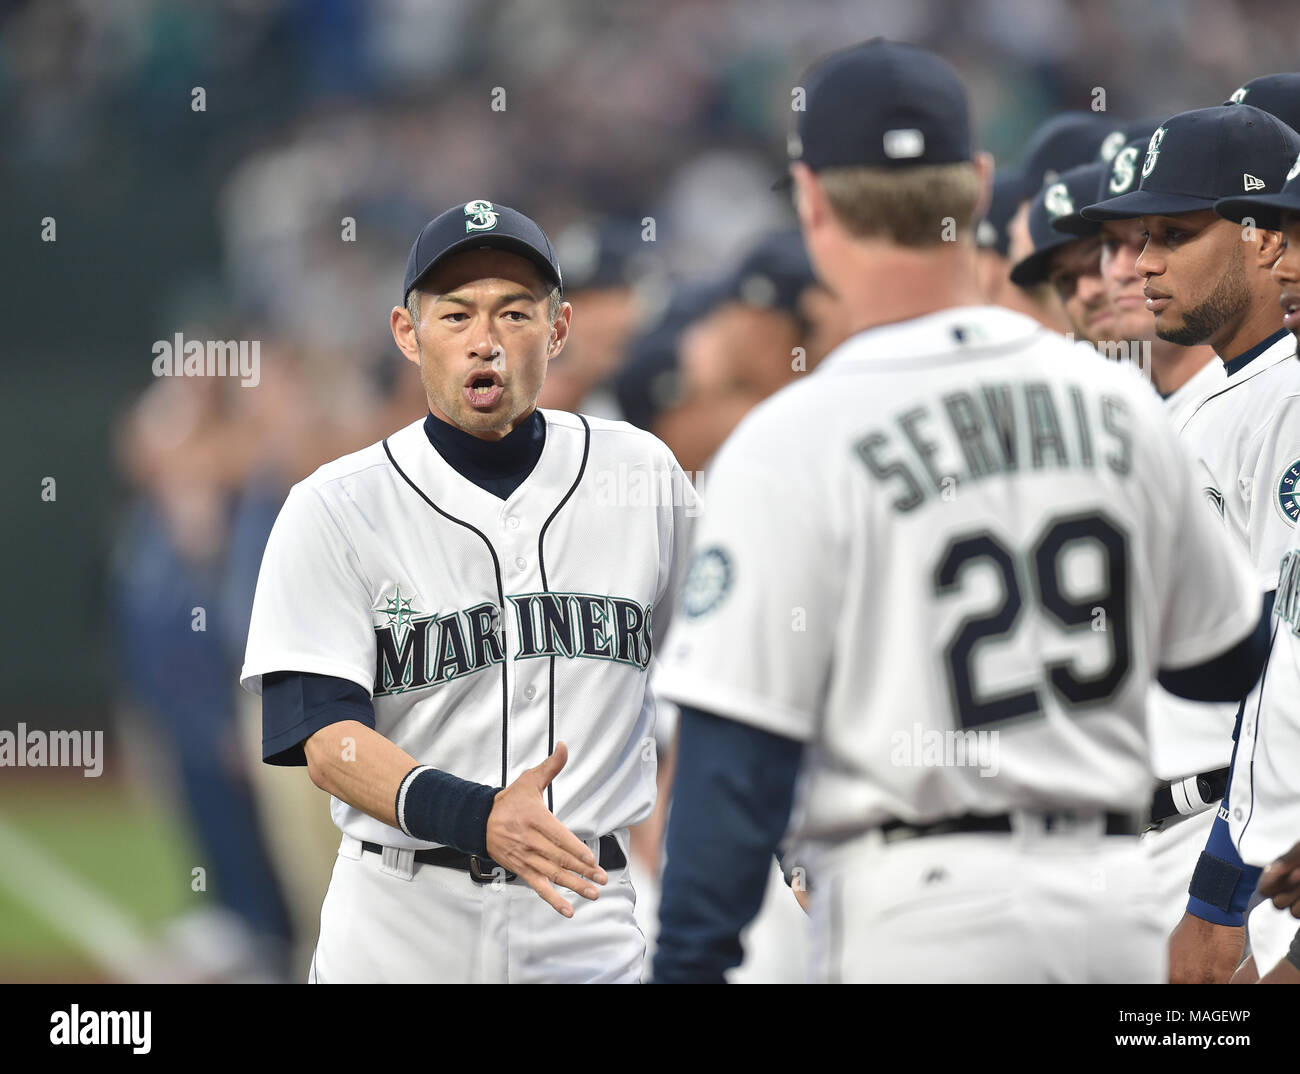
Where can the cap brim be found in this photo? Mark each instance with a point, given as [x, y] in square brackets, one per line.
[1145, 203]
[1265, 209]
[1032, 270]
[1074, 224]
[508, 243]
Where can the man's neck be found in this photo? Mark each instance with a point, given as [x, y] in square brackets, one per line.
[1260, 321]
[881, 283]
[1173, 366]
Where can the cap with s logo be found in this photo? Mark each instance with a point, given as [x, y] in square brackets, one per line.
[1197, 158]
[1119, 178]
[1278, 95]
[477, 225]
[1055, 202]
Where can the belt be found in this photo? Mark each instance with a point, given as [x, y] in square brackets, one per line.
[1059, 820]
[1187, 797]
[485, 870]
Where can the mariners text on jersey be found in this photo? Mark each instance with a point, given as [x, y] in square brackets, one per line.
[998, 427]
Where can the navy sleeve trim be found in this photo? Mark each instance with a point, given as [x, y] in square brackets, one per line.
[297, 704]
[731, 803]
[1230, 675]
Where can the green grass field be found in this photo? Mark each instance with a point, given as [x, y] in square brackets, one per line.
[130, 853]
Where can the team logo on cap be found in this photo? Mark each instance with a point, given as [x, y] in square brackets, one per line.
[1110, 145]
[480, 216]
[1238, 95]
[1295, 170]
[905, 144]
[1123, 170]
[1057, 201]
[706, 583]
[1153, 152]
[1288, 496]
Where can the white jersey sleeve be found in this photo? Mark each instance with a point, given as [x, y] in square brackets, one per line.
[754, 643]
[309, 611]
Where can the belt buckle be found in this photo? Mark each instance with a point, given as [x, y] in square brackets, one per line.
[479, 876]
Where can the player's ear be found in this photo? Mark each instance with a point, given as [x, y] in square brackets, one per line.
[1270, 245]
[404, 333]
[559, 330]
[984, 166]
[809, 198]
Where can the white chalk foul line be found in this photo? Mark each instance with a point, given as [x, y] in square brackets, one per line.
[74, 908]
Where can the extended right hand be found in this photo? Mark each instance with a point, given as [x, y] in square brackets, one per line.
[1204, 953]
[525, 838]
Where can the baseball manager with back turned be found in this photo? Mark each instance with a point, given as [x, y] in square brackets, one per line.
[453, 630]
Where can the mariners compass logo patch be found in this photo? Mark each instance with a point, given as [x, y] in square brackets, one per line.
[1288, 495]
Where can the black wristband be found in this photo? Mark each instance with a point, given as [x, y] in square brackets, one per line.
[438, 807]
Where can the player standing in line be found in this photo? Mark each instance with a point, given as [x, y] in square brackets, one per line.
[1190, 741]
[1071, 264]
[439, 614]
[909, 547]
[1180, 374]
[1265, 817]
[1207, 281]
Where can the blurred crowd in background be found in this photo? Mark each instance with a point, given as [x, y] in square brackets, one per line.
[645, 138]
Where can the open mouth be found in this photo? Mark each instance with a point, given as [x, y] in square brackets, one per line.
[484, 388]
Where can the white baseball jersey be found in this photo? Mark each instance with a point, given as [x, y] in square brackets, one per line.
[1190, 737]
[485, 629]
[1181, 401]
[1247, 438]
[977, 559]
[1265, 816]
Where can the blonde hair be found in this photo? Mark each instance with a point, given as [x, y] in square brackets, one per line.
[920, 206]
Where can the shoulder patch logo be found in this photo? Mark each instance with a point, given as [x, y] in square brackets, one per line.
[480, 216]
[706, 583]
[1288, 493]
[1251, 182]
[1153, 152]
[1123, 170]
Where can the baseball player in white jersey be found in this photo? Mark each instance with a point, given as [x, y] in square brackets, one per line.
[946, 634]
[1208, 281]
[1264, 819]
[1191, 742]
[453, 630]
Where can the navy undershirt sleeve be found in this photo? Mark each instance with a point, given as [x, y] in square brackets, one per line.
[297, 704]
[1228, 676]
[731, 803]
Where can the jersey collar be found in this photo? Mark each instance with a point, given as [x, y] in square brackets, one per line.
[1246, 357]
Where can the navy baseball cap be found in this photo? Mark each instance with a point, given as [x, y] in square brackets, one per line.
[480, 225]
[772, 274]
[1265, 209]
[1196, 158]
[1056, 200]
[1278, 95]
[1063, 142]
[1119, 177]
[991, 232]
[882, 104]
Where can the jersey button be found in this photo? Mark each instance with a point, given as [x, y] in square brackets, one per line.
[512, 522]
[521, 563]
[530, 693]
